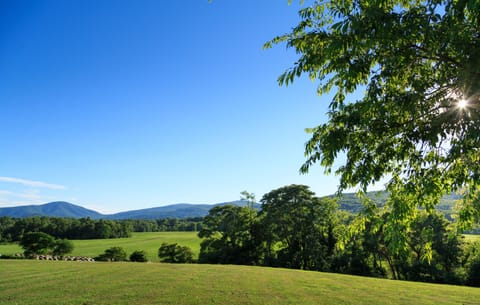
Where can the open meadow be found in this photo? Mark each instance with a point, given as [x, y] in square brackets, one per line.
[148, 241]
[59, 282]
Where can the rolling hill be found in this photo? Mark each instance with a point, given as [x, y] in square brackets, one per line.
[180, 210]
[52, 209]
[66, 209]
[48, 282]
[348, 202]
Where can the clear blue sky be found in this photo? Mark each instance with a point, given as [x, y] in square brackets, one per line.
[118, 105]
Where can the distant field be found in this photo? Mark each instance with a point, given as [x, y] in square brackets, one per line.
[471, 237]
[149, 242]
[49, 282]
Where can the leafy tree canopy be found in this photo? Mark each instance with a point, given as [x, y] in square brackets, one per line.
[139, 256]
[37, 243]
[62, 247]
[230, 235]
[175, 253]
[113, 254]
[299, 227]
[417, 123]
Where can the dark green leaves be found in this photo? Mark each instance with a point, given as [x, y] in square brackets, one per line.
[414, 60]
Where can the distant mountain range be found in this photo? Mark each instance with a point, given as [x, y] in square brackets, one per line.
[52, 209]
[348, 202]
[66, 209]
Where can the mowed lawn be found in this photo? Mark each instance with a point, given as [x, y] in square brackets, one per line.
[52, 282]
[149, 242]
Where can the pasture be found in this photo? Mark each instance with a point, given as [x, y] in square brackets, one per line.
[471, 237]
[59, 282]
[149, 242]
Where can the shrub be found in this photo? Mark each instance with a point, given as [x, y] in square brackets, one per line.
[472, 264]
[138, 256]
[62, 247]
[37, 243]
[9, 256]
[113, 254]
[174, 253]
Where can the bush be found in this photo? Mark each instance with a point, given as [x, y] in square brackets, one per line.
[113, 254]
[41, 243]
[62, 247]
[37, 243]
[174, 253]
[472, 264]
[8, 256]
[138, 256]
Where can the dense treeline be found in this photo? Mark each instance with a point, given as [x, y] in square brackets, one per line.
[191, 224]
[295, 229]
[13, 229]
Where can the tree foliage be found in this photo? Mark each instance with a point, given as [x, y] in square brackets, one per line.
[298, 228]
[229, 234]
[62, 247]
[13, 229]
[471, 260]
[175, 253]
[417, 123]
[138, 256]
[113, 254]
[37, 243]
[433, 250]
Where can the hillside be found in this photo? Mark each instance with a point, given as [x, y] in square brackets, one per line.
[65, 209]
[347, 202]
[46, 282]
[52, 209]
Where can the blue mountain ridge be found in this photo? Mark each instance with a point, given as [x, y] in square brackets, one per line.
[69, 210]
[348, 202]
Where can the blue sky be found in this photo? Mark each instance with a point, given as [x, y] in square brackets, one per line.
[118, 105]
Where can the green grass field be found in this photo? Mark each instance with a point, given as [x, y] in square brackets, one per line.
[149, 242]
[471, 237]
[51, 282]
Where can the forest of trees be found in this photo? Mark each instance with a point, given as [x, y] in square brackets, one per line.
[13, 229]
[189, 224]
[295, 229]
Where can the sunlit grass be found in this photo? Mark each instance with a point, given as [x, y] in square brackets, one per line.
[50, 282]
[471, 237]
[148, 242]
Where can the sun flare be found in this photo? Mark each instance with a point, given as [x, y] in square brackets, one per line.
[462, 103]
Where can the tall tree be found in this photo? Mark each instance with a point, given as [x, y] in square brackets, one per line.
[418, 121]
[299, 228]
[228, 236]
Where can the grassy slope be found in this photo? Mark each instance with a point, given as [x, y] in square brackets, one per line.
[39, 282]
[149, 242]
[44, 282]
